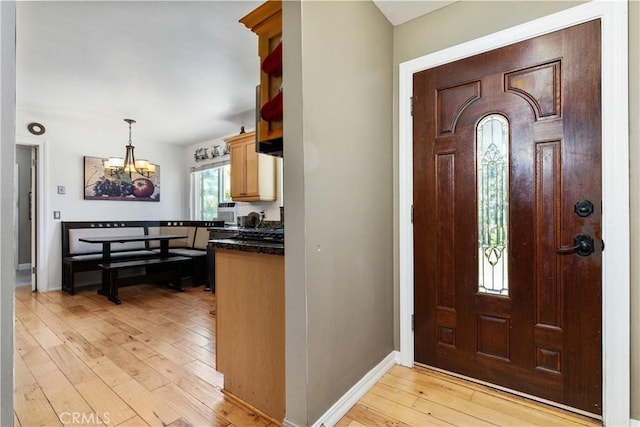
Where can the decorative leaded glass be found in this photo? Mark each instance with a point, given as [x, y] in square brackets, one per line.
[492, 153]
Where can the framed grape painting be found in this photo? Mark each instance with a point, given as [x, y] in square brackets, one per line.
[103, 183]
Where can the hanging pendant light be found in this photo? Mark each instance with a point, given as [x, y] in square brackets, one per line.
[129, 164]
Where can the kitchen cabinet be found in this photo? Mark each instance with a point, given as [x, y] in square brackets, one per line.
[253, 175]
[266, 22]
[250, 328]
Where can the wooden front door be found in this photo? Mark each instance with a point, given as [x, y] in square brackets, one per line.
[507, 195]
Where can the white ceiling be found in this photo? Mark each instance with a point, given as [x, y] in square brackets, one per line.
[186, 71]
[400, 11]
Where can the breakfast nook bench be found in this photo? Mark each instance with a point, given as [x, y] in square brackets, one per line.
[81, 253]
[171, 264]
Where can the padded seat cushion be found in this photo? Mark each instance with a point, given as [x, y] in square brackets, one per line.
[114, 255]
[185, 252]
[201, 240]
[174, 243]
[77, 247]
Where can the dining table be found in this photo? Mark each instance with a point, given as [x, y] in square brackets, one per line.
[107, 241]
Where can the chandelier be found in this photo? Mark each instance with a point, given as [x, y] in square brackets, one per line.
[119, 166]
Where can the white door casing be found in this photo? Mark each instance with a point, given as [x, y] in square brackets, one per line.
[16, 193]
[615, 184]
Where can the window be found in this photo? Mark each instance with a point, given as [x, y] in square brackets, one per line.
[492, 138]
[209, 187]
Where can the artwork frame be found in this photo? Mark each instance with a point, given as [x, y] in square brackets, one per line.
[101, 184]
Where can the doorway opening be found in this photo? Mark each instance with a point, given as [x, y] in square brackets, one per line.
[496, 297]
[29, 214]
[24, 219]
[615, 276]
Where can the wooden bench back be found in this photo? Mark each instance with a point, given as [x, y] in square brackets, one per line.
[197, 234]
[74, 230]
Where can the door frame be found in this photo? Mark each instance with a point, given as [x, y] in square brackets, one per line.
[16, 231]
[615, 185]
[41, 256]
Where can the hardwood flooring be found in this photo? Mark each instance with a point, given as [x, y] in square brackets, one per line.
[81, 360]
[423, 397]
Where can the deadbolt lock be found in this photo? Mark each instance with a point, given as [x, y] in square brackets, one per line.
[583, 208]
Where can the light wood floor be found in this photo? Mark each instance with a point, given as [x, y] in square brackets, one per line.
[423, 397]
[151, 361]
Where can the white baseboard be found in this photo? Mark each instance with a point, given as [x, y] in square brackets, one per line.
[634, 423]
[342, 406]
[346, 402]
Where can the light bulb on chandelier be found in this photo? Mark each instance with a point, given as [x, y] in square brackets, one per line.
[129, 165]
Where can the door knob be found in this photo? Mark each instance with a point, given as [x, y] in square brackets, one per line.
[582, 245]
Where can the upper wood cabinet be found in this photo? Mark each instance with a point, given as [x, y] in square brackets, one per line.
[253, 175]
[266, 22]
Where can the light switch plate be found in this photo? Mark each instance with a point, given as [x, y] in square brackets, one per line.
[56, 214]
[61, 189]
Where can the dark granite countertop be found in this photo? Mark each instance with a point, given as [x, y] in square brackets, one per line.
[233, 227]
[225, 228]
[271, 248]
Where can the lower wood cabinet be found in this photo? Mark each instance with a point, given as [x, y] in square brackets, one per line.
[250, 328]
[253, 175]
